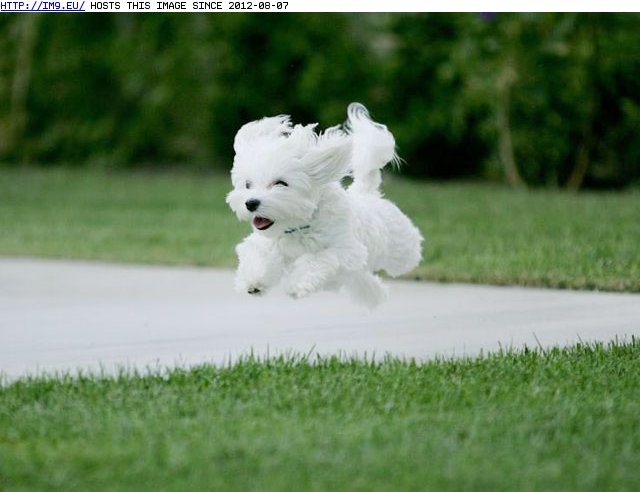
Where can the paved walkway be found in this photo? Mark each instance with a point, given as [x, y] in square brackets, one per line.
[62, 315]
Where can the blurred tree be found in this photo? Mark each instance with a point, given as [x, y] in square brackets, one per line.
[535, 99]
[423, 89]
[18, 48]
[309, 66]
[552, 98]
[27, 33]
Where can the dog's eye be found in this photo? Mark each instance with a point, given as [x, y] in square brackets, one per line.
[280, 183]
[247, 185]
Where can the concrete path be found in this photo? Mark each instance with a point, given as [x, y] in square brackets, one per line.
[64, 316]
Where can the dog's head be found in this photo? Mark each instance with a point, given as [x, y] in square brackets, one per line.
[279, 172]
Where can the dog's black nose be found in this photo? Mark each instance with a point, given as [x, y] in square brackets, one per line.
[252, 204]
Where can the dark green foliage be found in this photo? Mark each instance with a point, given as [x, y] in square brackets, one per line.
[562, 88]
[562, 419]
[435, 124]
[541, 99]
[306, 65]
[149, 90]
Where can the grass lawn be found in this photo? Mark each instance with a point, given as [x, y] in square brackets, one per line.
[474, 232]
[556, 420]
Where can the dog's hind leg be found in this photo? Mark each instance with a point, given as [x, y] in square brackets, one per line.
[365, 288]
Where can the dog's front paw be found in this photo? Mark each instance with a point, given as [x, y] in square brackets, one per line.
[298, 292]
[255, 290]
[297, 289]
[310, 273]
[250, 287]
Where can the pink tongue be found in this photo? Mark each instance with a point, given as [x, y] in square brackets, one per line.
[260, 222]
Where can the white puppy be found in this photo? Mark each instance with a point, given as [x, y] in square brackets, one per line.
[309, 232]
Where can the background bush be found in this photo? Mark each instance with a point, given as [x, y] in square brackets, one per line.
[537, 99]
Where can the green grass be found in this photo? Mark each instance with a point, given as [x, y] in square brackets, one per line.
[563, 419]
[142, 217]
[475, 232]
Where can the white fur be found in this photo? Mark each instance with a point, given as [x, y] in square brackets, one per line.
[323, 236]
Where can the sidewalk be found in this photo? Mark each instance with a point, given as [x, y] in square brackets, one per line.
[64, 316]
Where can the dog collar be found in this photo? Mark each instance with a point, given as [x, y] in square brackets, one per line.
[291, 230]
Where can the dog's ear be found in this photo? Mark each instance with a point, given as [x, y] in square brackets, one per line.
[329, 159]
[272, 127]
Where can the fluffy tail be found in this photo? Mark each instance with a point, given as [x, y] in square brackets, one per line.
[373, 148]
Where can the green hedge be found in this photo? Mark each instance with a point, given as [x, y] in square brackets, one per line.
[538, 99]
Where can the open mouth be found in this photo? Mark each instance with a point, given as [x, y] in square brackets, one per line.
[262, 223]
